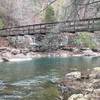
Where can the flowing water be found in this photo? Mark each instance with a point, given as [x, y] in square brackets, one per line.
[33, 80]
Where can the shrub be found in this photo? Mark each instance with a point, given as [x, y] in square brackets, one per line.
[49, 14]
[1, 24]
[85, 39]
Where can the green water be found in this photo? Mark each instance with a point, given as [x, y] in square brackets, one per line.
[31, 80]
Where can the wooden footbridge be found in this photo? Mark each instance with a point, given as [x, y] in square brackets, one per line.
[72, 26]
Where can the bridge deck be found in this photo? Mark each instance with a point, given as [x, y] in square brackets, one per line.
[90, 25]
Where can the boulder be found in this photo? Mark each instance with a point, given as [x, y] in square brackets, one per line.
[24, 51]
[85, 75]
[15, 51]
[76, 50]
[6, 55]
[95, 50]
[2, 85]
[78, 97]
[5, 59]
[96, 94]
[73, 75]
[89, 53]
[95, 73]
[96, 69]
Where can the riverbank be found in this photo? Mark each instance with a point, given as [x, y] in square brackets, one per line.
[81, 85]
[14, 55]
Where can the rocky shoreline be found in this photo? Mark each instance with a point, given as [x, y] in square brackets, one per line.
[81, 85]
[13, 55]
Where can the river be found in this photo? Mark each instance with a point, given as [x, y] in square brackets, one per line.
[32, 80]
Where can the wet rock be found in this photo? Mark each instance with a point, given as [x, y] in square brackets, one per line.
[2, 82]
[5, 59]
[2, 85]
[73, 75]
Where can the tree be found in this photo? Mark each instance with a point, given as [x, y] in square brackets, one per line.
[49, 14]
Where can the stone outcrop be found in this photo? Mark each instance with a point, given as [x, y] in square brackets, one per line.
[81, 85]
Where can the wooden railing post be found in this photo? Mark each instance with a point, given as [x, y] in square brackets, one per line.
[74, 25]
[28, 30]
[45, 29]
[40, 29]
[88, 25]
[33, 29]
[93, 24]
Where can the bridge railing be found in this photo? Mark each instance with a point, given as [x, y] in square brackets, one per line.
[92, 24]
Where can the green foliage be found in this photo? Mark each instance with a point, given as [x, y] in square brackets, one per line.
[50, 93]
[49, 14]
[1, 24]
[85, 40]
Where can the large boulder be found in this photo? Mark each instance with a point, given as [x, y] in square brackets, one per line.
[96, 69]
[96, 94]
[89, 53]
[15, 51]
[7, 54]
[95, 73]
[73, 75]
[77, 97]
